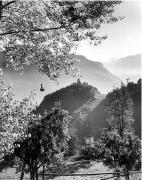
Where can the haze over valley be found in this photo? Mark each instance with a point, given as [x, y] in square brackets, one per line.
[126, 67]
[92, 72]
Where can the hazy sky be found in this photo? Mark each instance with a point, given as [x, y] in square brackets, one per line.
[124, 37]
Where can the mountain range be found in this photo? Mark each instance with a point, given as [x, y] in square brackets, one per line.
[126, 67]
[92, 72]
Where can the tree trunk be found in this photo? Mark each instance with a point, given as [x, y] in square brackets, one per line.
[36, 173]
[127, 175]
[0, 9]
[22, 172]
[32, 175]
[43, 172]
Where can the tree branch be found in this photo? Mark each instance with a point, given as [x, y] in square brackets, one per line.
[46, 29]
[32, 30]
[7, 4]
[4, 6]
[0, 9]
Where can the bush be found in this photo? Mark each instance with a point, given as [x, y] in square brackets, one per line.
[94, 152]
[72, 146]
[120, 152]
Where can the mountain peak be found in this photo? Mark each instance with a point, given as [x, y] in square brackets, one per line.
[86, 60]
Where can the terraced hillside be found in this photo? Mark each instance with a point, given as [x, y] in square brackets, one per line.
[80, 114]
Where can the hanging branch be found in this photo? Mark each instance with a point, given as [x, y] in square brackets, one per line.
[4, 6]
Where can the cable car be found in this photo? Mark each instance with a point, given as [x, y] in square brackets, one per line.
[41, 88]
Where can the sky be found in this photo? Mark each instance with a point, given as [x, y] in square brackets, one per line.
[124, 37]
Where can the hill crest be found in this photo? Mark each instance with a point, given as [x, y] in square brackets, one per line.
[77, 94]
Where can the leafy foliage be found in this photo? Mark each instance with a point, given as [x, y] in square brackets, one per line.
[120, 106]
[33, 140]
[120, 152]
[94, 151]
[14, 118]
[118, 145]
[46, 142]
[45, 33]
[73, 146]
[122, 146]
[134, 90]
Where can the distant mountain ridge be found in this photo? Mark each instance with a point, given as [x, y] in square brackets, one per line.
[128, 62]
[97, 75]
[126, 67]
[92, 72]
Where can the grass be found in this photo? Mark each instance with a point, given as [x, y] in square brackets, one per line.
[79, 167]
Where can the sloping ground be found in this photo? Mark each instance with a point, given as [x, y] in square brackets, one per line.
[98, 117]
[90, 167]
[85, 167]
[90, 105]
[82, 124]
[10, 174]
[96, 120]
[80, 167]
[70, 98]
[135, 93]
[80, 114]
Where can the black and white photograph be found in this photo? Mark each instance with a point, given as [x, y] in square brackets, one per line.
[70, 89]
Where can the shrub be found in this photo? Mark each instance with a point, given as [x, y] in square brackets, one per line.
[72, 146]
[94, 152]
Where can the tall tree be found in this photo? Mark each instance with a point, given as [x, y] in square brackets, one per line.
[45, 33]
[34, 140]
[121, 152]
[46, 142]
[120, 106]
[122, 146]
[14, 119]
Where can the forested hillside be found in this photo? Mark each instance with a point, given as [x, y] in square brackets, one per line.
[76, 95]
[135, 92]
[97, 118]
